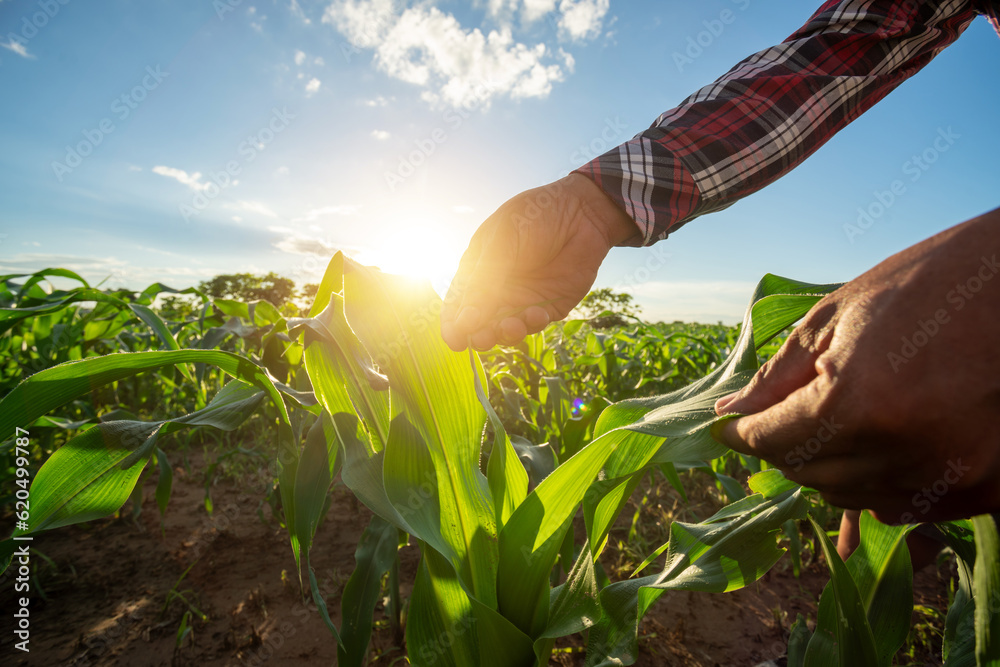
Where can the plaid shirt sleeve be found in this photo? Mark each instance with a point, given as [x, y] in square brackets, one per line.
[773, 110]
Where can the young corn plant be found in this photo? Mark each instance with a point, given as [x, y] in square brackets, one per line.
[412, 453]
[409, 427]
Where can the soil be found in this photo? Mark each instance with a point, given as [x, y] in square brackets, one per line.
[107, 584]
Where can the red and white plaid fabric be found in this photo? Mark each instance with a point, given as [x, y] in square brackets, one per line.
[775, 108]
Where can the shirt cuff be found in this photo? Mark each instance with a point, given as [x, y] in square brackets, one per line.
[649, 183]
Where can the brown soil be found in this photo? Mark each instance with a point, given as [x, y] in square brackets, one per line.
[105, 594]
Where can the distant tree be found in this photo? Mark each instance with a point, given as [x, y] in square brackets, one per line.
[250, 287]
[308, 292]
[606, 299]
[177, 307]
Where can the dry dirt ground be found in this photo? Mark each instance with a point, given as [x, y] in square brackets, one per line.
[107, 584]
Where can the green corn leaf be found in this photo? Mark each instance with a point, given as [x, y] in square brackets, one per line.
[798, 639]
[507, 480]
[882, 571]
[94, 473]
[441, 625]
[316, 467]
[374, 556]
[320, 603]
[396, 320]
[574, 606]
[986, 591]
[38, 276]
[362, 473]
[91, 476]
[603, 503]
[48, 389]
[843, 635]
[959, 646]
[332, 283]
[165, 483]
[159, 327]
[501, 643]
[722, 554]
[770, 483]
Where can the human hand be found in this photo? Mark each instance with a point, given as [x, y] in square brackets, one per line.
[887, 396]
[531, 263]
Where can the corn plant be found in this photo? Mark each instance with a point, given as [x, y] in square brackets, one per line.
[409, 427]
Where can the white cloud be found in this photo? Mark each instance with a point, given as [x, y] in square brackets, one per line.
[296, 10]
[258, 24]
[18, 48]
[536, 9]
[303, 245]
[319, 61]
[193, 181]
[133, 167]
[312, 86]
[381, 135]
[300, 57]
[582, 19]
[116, 272]
[455, 66]
[281, 171]
[316, 213]
[377, 101]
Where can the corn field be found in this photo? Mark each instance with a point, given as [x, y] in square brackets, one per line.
[493, 463]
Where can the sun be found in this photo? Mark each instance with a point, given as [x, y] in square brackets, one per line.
[419, 251]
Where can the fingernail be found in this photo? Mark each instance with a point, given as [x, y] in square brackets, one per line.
[721, 404]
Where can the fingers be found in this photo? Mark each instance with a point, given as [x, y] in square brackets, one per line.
[789, 433]
[850, 533]
[472, 300]
[792, 368]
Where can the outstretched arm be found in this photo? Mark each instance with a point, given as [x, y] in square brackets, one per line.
[534, 259]
[773, 110]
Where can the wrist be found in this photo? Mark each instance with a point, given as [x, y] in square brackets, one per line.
[601, 210]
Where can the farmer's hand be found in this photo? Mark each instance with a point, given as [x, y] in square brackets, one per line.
[532, 262]
[887, 397]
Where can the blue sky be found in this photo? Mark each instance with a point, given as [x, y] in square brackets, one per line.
[325, 135]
